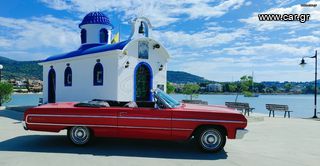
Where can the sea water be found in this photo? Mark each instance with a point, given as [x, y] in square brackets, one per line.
[301, 105]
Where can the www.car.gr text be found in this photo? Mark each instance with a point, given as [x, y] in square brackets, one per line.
[302, 18]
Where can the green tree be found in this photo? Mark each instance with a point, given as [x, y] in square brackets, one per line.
[170, 88]
[269, 90]
[309, 89]
[259, 87]
[190, 89]
[232, 87]
[6, 90]
[244, 86]
[245, 83]
[287, 87]
[225, 87]
[274, 88]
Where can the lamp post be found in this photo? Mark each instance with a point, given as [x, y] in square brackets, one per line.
[1, 67]
[303, 63]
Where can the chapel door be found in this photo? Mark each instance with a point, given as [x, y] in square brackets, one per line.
[143, 82]
[52, 86]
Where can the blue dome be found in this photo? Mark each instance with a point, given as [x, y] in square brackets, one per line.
[96, 18]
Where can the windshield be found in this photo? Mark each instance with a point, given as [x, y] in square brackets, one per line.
[166, 98]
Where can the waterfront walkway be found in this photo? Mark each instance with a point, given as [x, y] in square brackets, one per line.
[273, 141]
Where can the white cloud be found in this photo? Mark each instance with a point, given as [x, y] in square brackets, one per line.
[291, 32]
[22, 55]
[270, 51]
[57, 4]
[308, 39]
[316, 32]
[228, 69]
[204, 9]
[46, 31]
[38, 35]
[281, 3]
[160, 12]
[269, 61]
[248, 3]
[314, 12]
[198, 39]
[5, 42]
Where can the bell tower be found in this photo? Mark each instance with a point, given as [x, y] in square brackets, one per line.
[141, 27]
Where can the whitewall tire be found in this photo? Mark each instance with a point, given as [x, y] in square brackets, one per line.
[79, 135]
[211, 140]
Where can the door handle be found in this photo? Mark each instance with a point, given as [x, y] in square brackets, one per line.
[123, 113]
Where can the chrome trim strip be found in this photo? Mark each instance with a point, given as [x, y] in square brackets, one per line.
[182, 129]
[110, 126]
[96, 116]
[71, 116]
[62, 124]
[142, 118]
[139, 117]
[208, 120]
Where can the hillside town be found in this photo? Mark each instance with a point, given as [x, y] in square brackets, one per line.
[26, 85]
[263, 87]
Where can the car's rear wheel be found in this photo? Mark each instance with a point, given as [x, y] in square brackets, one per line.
[79, 135]
[211, 140]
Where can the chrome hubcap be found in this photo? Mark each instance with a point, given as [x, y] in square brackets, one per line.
[211, 139]
[79, 135]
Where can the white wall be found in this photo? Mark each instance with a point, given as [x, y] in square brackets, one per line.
[93, 32]
[118, 81]
[82, 78]
[126, 75]
[135, 27]
[45, 73]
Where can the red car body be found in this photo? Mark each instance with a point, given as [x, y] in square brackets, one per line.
[144, 123]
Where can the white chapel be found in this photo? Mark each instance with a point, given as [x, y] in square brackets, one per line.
[98, 69]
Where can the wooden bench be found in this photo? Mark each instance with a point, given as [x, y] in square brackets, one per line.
[278, 107]
[240, 106]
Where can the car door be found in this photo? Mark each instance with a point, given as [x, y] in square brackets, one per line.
[145, 123]
[102, 120]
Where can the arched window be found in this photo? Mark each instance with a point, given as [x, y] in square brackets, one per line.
[83, 36]
[103, 36]
[98, 74]
[68, 76]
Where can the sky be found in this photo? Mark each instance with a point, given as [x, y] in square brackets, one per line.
[220, 40]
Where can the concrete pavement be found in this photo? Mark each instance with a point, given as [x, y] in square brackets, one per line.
[274, 141]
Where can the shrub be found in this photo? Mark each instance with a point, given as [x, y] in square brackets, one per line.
[6, 90]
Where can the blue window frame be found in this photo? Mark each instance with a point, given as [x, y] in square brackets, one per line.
[103, 36]
[68, 77]
[83, 36]
[98, 75]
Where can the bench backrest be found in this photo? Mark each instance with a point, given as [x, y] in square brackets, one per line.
[237, 105]
[277, 107]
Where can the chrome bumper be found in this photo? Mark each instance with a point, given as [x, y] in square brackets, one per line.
[24, 125]
[240, 133]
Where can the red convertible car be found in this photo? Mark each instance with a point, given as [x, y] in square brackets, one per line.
[163, 119]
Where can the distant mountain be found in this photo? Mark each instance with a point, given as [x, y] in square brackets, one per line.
[31, 69]
[184, 77]
[20, 69]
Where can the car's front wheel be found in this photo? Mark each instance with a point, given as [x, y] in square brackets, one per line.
[79, 135]
[211, 140]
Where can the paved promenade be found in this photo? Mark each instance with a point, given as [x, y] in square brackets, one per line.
[272, 142]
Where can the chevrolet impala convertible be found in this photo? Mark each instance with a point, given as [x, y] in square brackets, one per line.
[162, 119]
